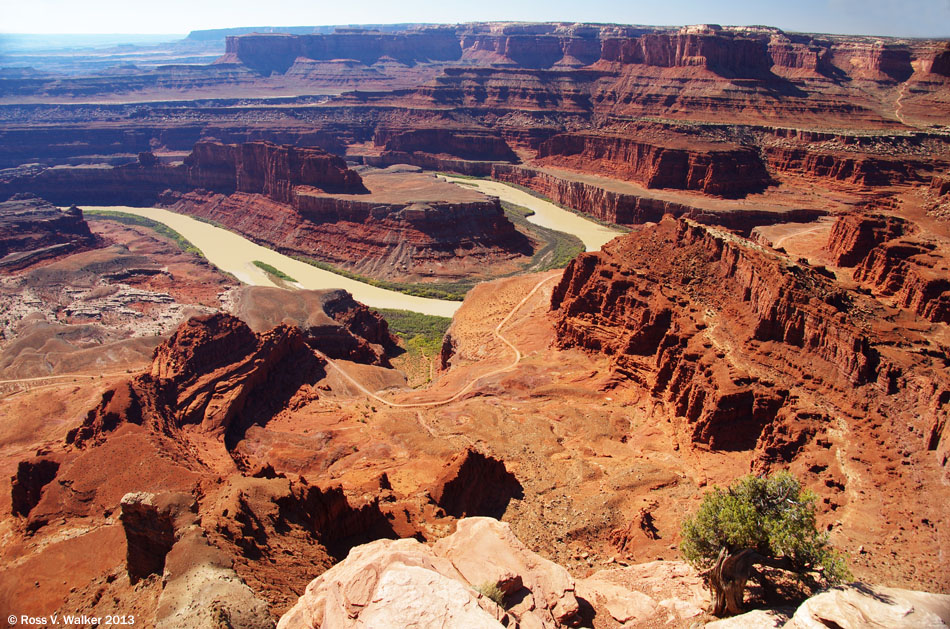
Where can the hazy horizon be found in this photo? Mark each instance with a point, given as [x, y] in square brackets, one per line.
[908, 18]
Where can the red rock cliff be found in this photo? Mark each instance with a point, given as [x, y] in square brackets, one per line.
[258, 167]
[746, 349]
[856, 168]
[213, 373]
[889, 261]
[32, 229]
[722, 53]
[642, 301]
[277, 52]
[268, 169]
[719, 170]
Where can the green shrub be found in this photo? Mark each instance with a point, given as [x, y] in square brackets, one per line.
[134, 219]
[491, 591]
[274, 271]
[773, 516]
[451, 291]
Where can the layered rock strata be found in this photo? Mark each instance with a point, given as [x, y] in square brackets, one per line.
[31, 229]
[863, 170]
[256, 167]
[629, 208]
[891, 258]
[388, 239]
[700, 317]
[720, 170]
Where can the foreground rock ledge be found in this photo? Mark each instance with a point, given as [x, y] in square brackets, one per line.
[404, 583]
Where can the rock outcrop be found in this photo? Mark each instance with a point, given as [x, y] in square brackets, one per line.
[891, 260]
[864, 170]
[699, 316]
[721, 170]
[853, 236]
[331, 321]
[475, 484]
[199, 586]
[258, 167]
[659, 593]
[268, 169]
[31, 230]
[405, 583]
[652, 342]
[150, 522]
[27, 484]
[215, 374]
[864, 605]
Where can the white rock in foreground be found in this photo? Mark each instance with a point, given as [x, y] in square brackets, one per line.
[403, 583]
[859, 605]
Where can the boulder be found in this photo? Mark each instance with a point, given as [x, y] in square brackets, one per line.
[868, 606]
[658, 593]
[404, 583]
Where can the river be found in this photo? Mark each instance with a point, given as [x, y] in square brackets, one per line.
[546, 214]
[235, 254]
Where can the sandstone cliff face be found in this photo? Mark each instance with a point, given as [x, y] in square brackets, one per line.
[909, 270]
[522, 47]
[887, 260]
[853, 236]
[632, 209]
[876, 61]
[720, 170]
[268, 169]
[32, 229]
[729, 52]
[213, 373]
[720, 52]
[277, 53]
[865, 170]
[660, 302]
[258, 167]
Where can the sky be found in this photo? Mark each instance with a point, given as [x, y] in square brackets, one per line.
[903, 18]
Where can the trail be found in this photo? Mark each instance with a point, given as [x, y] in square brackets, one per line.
[496, 332]
[70, 376]
[332, 363]
[900, 105]
[778, 242]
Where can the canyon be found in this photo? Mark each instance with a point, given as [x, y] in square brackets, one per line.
[762, 283]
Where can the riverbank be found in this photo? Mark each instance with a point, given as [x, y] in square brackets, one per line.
[236, 255]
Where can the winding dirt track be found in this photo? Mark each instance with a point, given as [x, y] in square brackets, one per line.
[468, 387]
[342, 372]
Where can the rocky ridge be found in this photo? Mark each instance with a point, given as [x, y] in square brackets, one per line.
[751, 351]
[31, 230]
